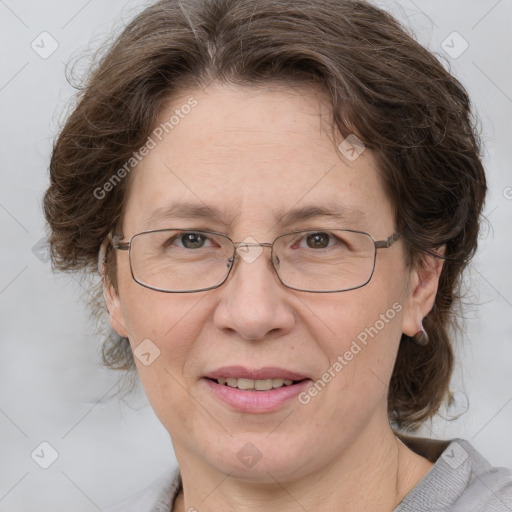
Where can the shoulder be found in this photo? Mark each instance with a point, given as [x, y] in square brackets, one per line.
[461, 480]
[157, 497]
[489, 488]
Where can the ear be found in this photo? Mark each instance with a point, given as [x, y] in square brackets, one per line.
[110, 294]
[422, 292]
[114, 309]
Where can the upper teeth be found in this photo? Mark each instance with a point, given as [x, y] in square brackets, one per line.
[259, 384]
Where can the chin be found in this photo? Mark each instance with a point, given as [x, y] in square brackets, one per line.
[260, 458]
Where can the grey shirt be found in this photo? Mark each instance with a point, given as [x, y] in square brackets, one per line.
[461, 480]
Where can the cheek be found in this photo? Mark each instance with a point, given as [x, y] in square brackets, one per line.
[361, 315]
[151, 314]
[165, 326]
[170, 321]
[362, 334]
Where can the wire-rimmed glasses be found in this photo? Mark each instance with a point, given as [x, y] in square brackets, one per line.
[183, 260]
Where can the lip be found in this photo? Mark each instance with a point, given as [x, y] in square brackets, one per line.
[268, 372]
[252, 401]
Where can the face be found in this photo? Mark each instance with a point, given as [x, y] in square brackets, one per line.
[256, 155]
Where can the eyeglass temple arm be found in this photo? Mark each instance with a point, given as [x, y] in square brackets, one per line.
[385, 244]
[117, 244]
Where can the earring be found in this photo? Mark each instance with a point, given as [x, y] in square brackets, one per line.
[421, 337]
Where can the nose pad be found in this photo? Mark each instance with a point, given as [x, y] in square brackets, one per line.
[250, 252]
[230, 262]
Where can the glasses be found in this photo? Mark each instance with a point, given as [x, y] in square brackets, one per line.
[319, 260]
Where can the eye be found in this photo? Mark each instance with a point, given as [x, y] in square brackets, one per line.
[319, 240]
[189, 240]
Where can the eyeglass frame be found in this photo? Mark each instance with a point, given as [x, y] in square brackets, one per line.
[119, 245]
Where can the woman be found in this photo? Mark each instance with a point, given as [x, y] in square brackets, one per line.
[283, 196]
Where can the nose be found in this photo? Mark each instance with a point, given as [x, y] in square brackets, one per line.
[254, 303]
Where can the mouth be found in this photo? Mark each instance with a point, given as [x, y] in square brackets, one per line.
[256, 391]
[255, 384]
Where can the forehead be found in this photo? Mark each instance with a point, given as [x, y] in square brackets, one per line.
[251, 156]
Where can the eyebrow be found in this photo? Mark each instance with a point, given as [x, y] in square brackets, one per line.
[331, 210]
[284, 217]
[184, 210]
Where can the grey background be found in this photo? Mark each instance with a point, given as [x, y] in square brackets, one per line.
[52, 385]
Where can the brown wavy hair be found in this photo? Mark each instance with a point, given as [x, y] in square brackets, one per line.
[382, 84]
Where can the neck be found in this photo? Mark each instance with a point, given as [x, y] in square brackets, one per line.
[374, 473]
